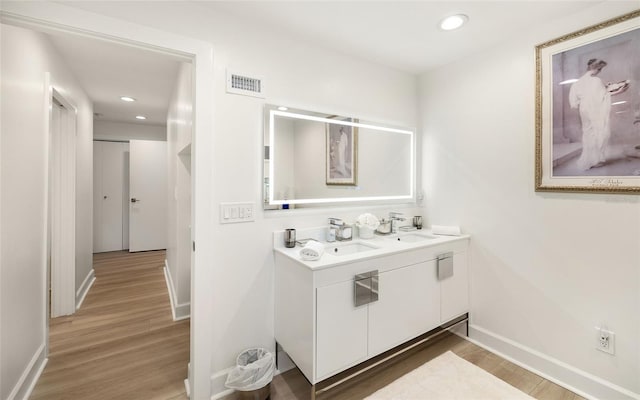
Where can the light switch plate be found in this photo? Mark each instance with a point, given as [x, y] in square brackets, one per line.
[232, 213]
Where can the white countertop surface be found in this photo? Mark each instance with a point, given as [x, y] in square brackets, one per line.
[386, 245]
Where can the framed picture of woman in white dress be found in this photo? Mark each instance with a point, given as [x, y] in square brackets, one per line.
[588, 109]
[342, 153]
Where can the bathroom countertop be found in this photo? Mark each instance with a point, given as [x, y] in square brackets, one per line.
[385, 245]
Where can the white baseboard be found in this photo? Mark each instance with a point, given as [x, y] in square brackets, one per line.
[84, 288]
[23, 388]
[187, 388]
[218, 389]
[187, 384]
[580, 382]
[179, 311]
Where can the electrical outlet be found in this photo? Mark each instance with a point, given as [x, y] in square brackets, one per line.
[605, 340]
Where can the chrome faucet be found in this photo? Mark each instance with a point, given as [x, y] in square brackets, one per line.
[342, 231]
[395, 217]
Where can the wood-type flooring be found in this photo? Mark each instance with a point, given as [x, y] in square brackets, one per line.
[122, 344]
[292, 385]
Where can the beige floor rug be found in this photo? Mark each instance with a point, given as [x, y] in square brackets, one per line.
[448, 377]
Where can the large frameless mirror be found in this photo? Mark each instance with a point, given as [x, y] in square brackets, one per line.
[312, 158]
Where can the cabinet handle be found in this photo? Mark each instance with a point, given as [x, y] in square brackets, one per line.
[361, 291]
[365, 288]
[374, 287]
[445, 266]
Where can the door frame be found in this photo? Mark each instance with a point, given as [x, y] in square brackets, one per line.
[61, 204]
[55, 18]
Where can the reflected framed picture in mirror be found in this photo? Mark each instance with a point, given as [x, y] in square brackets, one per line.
[342, 153]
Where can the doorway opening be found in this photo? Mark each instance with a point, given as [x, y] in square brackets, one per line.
[172, 190]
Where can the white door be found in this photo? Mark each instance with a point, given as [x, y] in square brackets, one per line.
[109, 181]
[148, 195]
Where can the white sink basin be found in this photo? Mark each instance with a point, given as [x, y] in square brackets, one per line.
[412, 237]
[344, 249]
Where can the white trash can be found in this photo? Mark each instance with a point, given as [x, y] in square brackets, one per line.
[253, 374]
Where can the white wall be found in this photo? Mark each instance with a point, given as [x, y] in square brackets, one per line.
[112, 130]
[84, 178]
[304, 77]
[546, 268]
[26, 56]
[179, 133]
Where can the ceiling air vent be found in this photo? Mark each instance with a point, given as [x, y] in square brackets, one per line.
[245, 85]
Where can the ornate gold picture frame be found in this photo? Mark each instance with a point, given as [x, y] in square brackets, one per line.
[588, 109]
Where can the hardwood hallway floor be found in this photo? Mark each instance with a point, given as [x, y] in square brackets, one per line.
[122, 343]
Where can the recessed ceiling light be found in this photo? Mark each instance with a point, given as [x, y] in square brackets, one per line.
[140, 117]
[453, 22]
[127, 98]
[282, 108]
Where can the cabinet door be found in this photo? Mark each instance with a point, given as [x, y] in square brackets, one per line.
[408, 306]
[455, 290]
[341, 329]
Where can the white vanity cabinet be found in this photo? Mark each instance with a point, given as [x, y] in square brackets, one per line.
[324, 332]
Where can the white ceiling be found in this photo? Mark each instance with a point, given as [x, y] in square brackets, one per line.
[107, 71]
[399, 34]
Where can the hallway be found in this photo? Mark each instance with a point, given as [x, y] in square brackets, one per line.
[122, 343]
